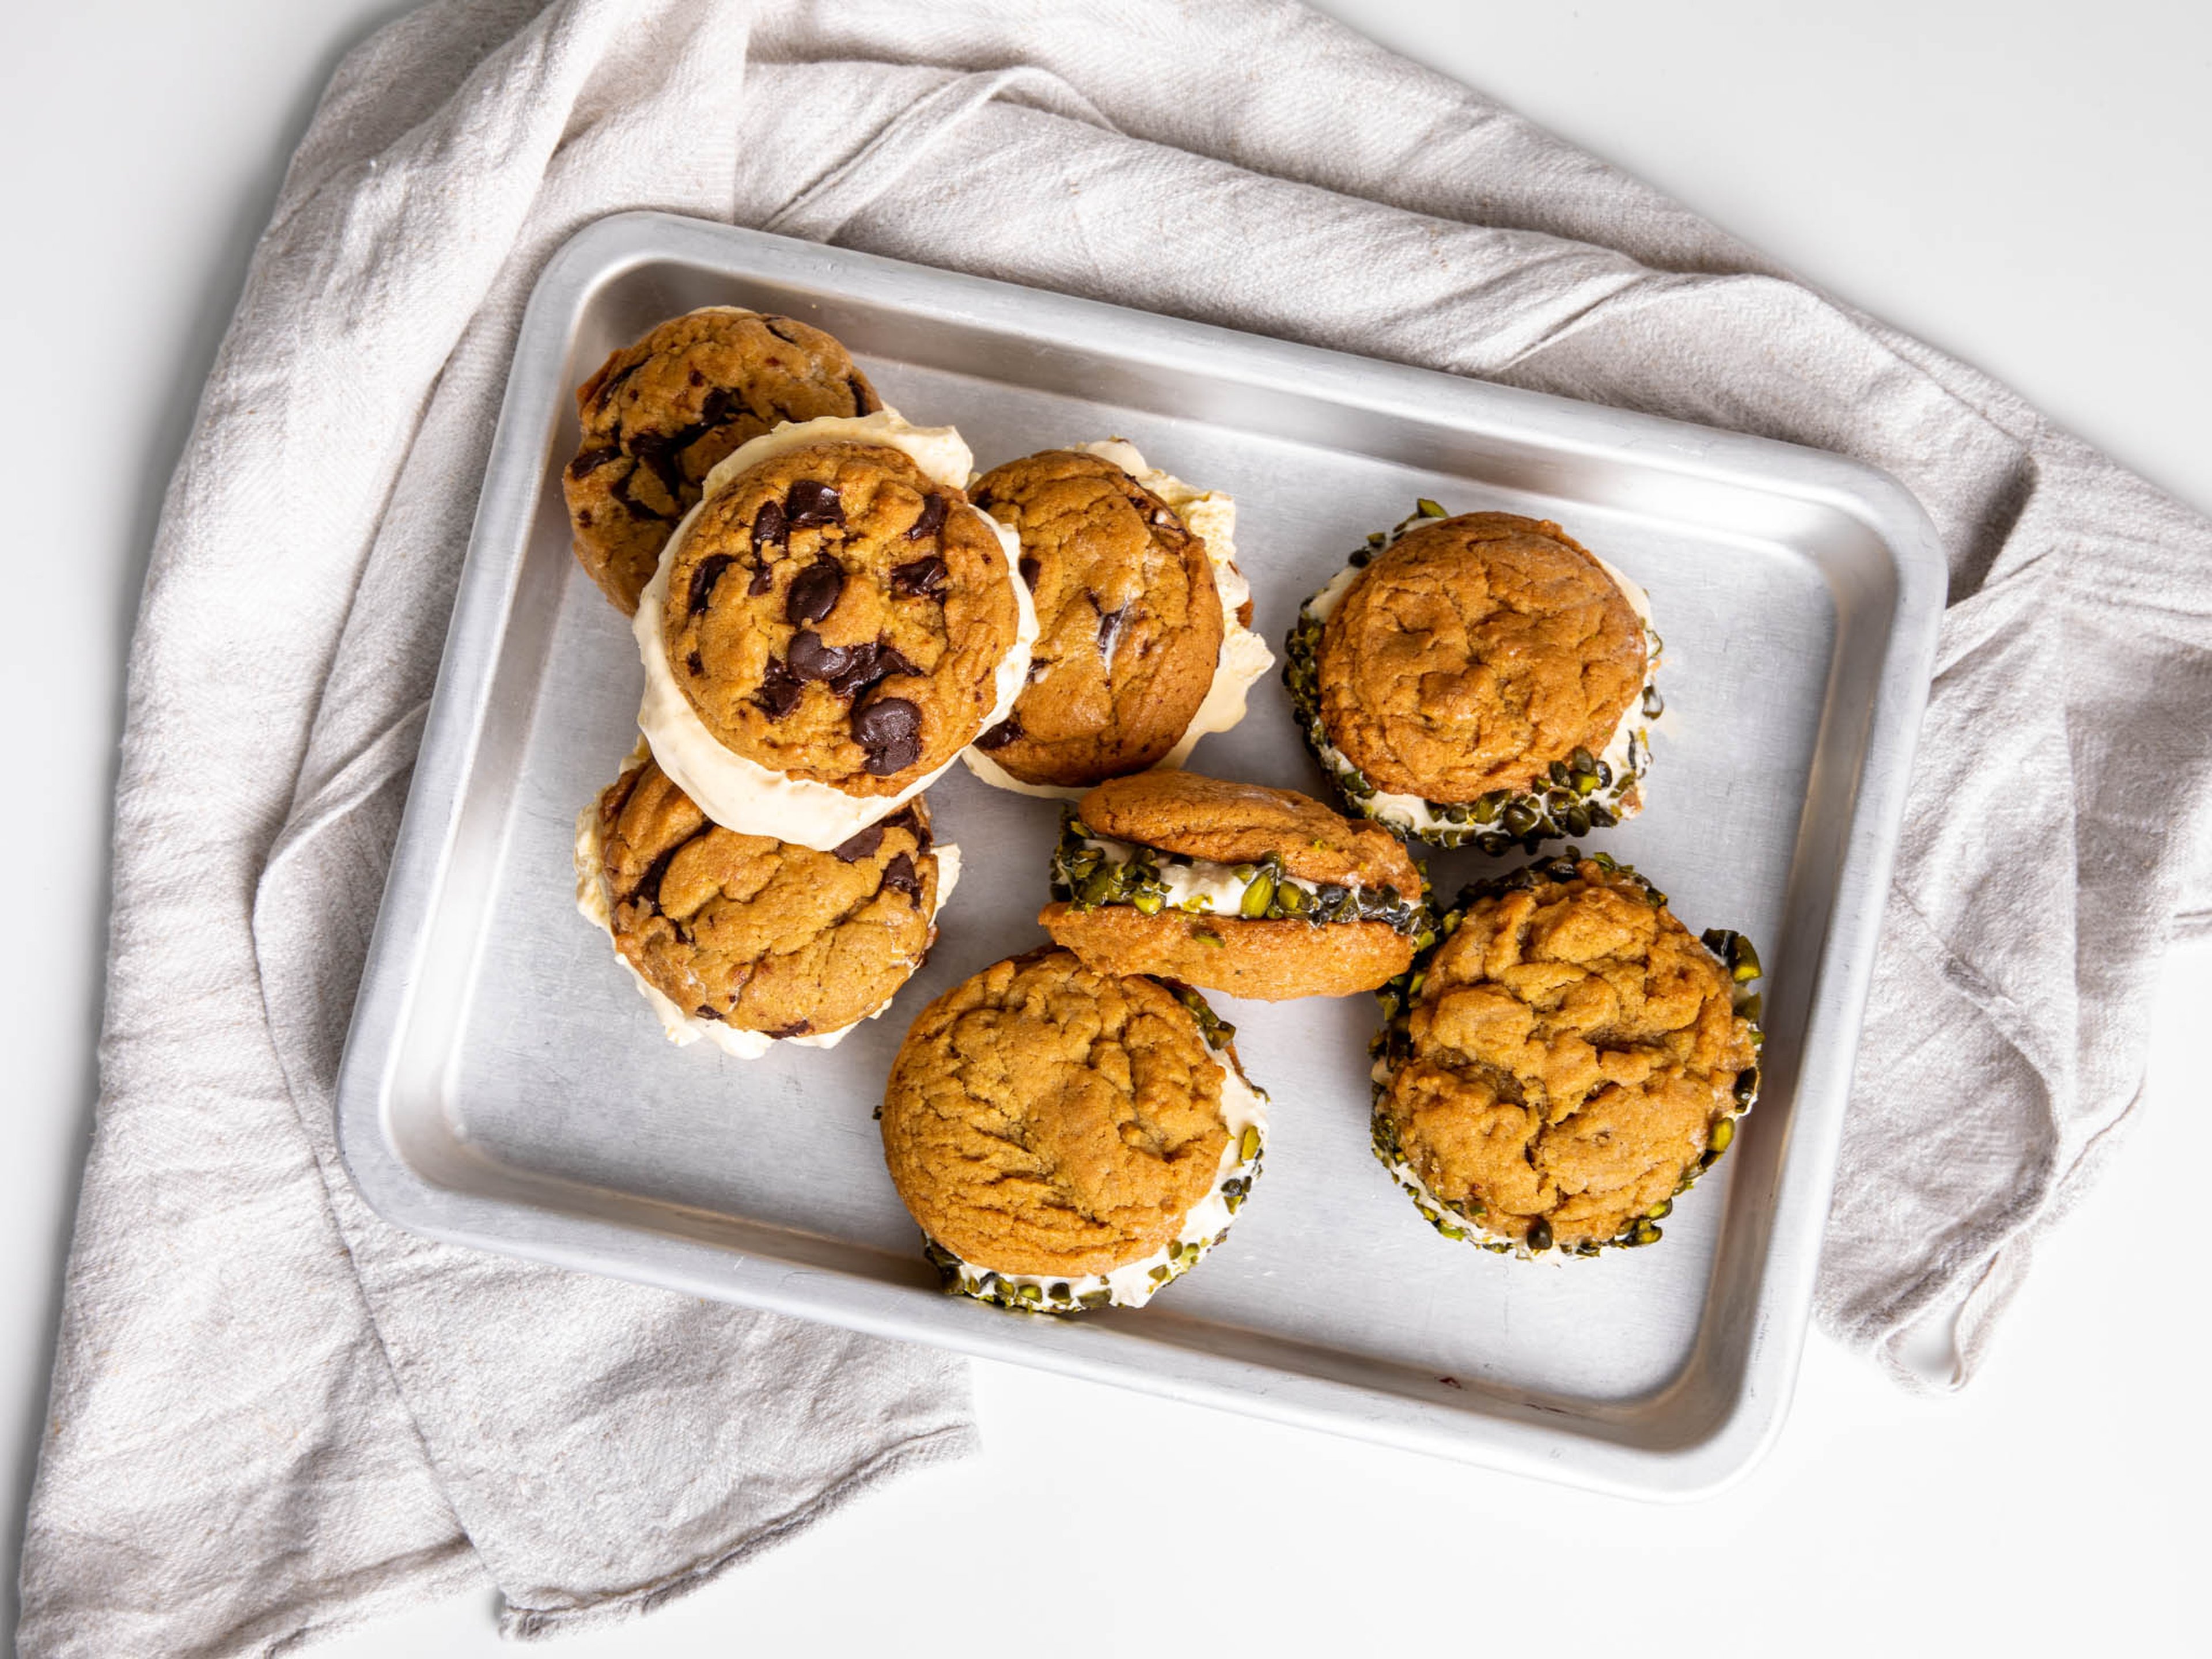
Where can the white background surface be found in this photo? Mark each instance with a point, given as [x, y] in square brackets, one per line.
[2026, 185]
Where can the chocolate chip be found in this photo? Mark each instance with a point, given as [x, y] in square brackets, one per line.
[648, 890]
[593, 460]
[814, 591]
[864, 401]
[1002, 734]
[984, 499]
[1029, 568]
[584, 517]
[899, 877]
[704, 575]
[705, 1012]
[718, 407]
[657, 450]
[1039, 666]
[799, 1028]
[808, 503]
[769, 529]
[769, 324]
[693, 664]
[890, 729]
[862, 846]
[810, 660]
[924, 579]
[696, 378]
[634, 508]
[930, 521]
[1109, 627]
[607, 388]
[779, 690]
[763, 579]
[891, 660]
[909, 818]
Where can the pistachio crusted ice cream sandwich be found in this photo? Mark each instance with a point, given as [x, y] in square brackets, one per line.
[1262, 893]
[1564, 1061]
[1144, 622]
[1484, 678]
[1068, 1140]
[829, 628]
[747, 941]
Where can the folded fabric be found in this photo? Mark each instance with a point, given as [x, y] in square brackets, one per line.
[273, 1414]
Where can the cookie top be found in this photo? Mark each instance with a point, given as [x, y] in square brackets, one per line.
[1228, 822]
[1043, 1119]
[1567, 1060]
[1129, 620]
[837, 615]
[659, 414]
[1474, 653]
[756, 933]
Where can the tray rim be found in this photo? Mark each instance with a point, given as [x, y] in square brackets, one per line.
[1526, 1439]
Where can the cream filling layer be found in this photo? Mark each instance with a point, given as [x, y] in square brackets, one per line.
[740, 793]
[1626, 752]
[1133, 1283]
[1244, 658]
[1201, 886]
[683, 1027]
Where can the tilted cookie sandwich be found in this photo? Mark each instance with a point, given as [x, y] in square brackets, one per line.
[1565, 1062]
[829, 628]
[659, 414]
[1069, 1140]
[1483, 679]
[1144, 622]
[1262, 893]
[746, 940]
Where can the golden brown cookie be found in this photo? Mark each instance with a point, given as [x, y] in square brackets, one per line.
[1129, 623]
[1478, 678]
[659, 414]
[1262, 893]
[1068, 1138]
[1565, 1060]
[751, 935]
[836, 616]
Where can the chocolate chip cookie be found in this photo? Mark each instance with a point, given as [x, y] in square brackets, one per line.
[1068, 1138]
[1480, 678]
[1565, 1062]
[659, 414]
[742, 939]
[833, 616]
[1262, 893]
[1129, 623]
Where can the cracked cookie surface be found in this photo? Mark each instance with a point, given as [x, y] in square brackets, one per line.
[1474, 652]
[754, 932]
[1567, 1058]
[659, 414]
[1129, 620]
[1041, 1118]
[836, 615]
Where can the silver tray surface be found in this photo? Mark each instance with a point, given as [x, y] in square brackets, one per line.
[504, 1086]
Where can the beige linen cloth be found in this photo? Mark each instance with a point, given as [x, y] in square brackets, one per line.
[273, 1415]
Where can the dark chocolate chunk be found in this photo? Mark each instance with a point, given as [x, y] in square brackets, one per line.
[862, 846]
[769, 529]
[704, 575]
[814, 591]
[808, 503]
[763, 579]
[909, 818]
[1109, 627]
[797, 1028]
[634, 508]
[769, 324]
[1002, 734]
[705, 1012]
[923, 579]
[929, 520]
[607, 389]
[810, 660]
[696, 378]
[891, 660]
[694, 663]
[779, 690]
[899, 877]
[718, 407]
[862, 403]
[1029, 568]
[890, 729]
[593, 460]
[657, 450]
[648, 890]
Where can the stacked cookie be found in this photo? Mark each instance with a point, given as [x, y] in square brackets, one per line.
[831, 607]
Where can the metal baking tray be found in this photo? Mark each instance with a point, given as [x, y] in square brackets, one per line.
[505, 1087]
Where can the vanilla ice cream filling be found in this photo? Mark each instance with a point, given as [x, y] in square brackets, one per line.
[1244, 658]
[683, 1026]
[1244, 1114]
[1151, 881]
[1626, 755]
[740, 793]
